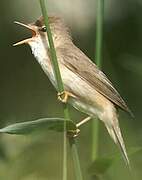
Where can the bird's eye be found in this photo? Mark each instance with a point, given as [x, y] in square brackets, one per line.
[43, 29]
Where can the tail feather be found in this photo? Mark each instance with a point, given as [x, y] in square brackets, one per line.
[116, 135]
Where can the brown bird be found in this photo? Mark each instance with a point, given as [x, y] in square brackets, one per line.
[86, 87]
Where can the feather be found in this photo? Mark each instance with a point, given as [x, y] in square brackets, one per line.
[115, 134]
[88, 71]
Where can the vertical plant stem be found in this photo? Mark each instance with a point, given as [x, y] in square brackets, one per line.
[65, 107]
[54, 61]
[99, 31]
[65, 169]
[58, 81]
[95, 134]
[99, 46]
[75, 159]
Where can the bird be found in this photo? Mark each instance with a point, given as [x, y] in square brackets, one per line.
[87, 88]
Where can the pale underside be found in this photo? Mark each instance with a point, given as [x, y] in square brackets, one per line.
[94, 93]
[88, 99]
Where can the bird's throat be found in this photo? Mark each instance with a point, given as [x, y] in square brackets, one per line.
[40, 52]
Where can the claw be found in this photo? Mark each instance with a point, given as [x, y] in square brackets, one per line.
[63, 96]
[73, 133]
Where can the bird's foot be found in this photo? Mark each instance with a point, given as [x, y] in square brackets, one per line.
[73, 133]
[63, 96]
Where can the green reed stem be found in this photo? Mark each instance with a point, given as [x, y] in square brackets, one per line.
[60, 87]
[52, 49]
[99, 32]
[99, 47]
[75, 159]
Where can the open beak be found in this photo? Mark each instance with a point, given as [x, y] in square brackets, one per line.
[30, 27]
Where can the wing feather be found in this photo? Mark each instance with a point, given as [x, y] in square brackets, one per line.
[79, 63]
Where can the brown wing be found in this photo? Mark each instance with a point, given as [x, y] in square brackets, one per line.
[75, 60]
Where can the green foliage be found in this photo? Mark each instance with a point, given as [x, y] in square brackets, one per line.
[26, 93]
[100, 166]
[99, 59]
[55, 124]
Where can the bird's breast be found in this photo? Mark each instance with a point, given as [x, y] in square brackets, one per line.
[40, 52]
[88, 99]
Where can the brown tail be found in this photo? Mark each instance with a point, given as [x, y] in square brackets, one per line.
[115, 134]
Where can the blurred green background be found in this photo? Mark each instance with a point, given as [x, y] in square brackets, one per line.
[26, 93]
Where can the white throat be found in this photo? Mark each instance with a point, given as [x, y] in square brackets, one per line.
[40, 51]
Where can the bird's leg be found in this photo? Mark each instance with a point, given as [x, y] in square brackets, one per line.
[83, 121]
[72, 133]
[63, 96]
